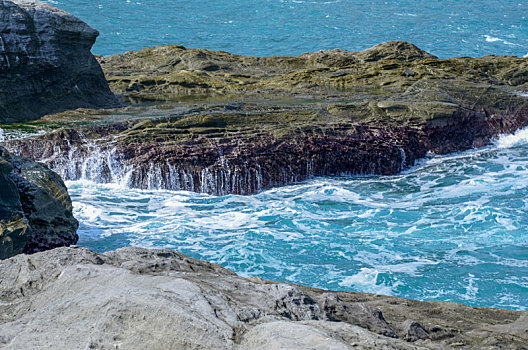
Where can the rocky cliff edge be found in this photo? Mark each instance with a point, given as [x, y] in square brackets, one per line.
[45, 62]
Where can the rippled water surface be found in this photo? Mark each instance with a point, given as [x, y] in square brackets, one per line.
[290, 27]
[452, 228]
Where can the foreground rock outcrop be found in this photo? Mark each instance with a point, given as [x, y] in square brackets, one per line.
[132, 298]
[271, 121]
[45, 62]
[35, 208]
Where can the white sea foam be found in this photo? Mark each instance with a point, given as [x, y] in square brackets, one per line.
[471, 288]
[406, 14]
[412, 235]
[511, 140]
[87, 213]
[2, 137]
[367, 280]
[492, 39]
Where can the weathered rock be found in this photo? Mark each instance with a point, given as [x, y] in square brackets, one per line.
[133, 298]
[414, 331]
[14, 228]
[45, 62]
[386, 71]
[369, 112]
[35, 208]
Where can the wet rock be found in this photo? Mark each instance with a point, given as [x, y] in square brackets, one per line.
[14, 228]
[327, 113]
[35, 208]
[45, 62]
[135, 298]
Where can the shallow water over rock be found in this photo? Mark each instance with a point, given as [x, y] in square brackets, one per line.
[452, 228]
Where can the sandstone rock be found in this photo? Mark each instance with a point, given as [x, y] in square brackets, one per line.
[133, 298]
[35, 208]
[45, 62]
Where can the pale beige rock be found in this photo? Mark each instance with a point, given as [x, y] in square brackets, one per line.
[72, 298]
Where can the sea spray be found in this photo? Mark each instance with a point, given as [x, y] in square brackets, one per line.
[417, 235]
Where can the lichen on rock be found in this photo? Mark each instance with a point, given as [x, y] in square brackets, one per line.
[35, 208]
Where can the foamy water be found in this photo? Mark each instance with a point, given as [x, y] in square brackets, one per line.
[452, 228]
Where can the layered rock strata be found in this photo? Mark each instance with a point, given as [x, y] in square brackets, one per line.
[286, 119]
[132, 298]
[35, 208]
[45, 62]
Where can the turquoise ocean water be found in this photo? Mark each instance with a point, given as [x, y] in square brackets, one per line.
[290, 27]
[452, 228]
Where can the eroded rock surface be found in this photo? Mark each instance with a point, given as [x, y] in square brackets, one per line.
[133, 298]
[278, 120]
[45, 62]
[35, 208]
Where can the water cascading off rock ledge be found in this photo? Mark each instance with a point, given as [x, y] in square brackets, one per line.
[246, 166]
[215, 169]
[325, 113]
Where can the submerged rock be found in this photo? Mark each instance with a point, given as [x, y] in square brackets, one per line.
[35, 208]
[45, 62]
[133, 298]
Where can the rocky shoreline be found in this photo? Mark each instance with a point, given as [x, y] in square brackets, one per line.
[133, 298]
[219, 123]
[284, 119]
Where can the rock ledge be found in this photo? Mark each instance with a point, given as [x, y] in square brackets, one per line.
[133, 298]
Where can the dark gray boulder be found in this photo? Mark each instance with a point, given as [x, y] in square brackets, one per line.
[35, 208]
[14, 228]
[45, 62]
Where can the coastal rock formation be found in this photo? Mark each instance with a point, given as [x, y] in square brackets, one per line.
[133, 298]
[389, 71]
[35, 208]
[278, 120]
[45, 62]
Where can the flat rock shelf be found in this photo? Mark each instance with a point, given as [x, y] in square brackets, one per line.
[244, 124]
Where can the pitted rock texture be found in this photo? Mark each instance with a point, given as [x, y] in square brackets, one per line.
[45, 62]
[35, 208]
[133, 298]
